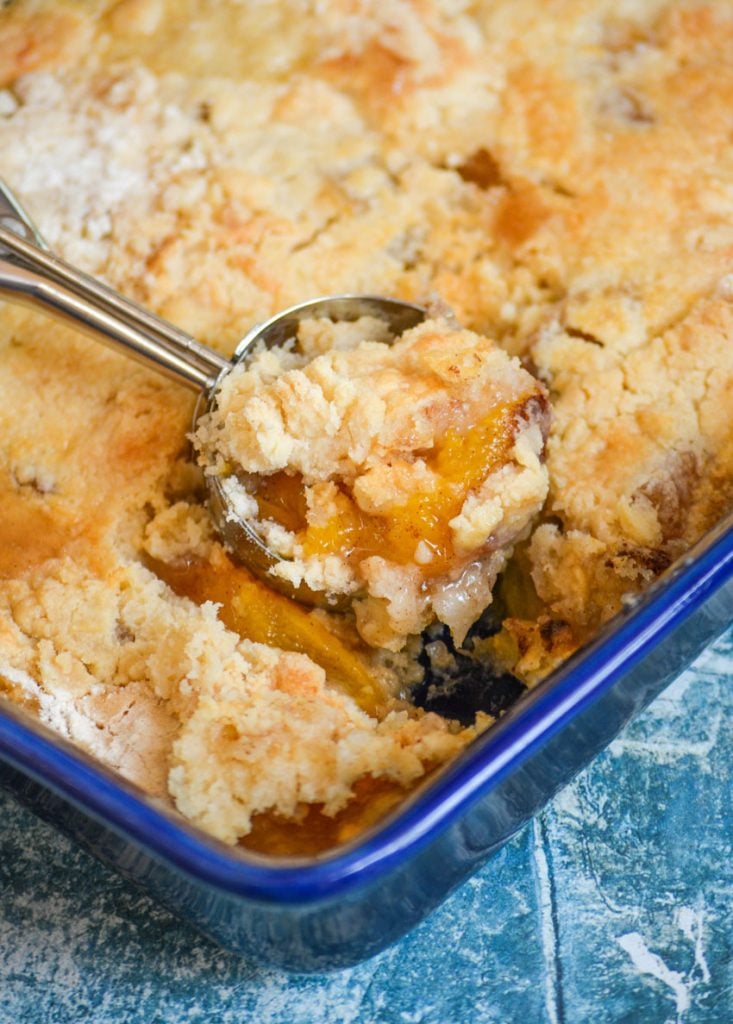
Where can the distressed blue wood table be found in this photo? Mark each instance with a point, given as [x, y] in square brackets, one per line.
[615, 906]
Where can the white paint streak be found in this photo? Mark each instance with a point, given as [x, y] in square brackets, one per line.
[666, 751]
[548, 935]
[714, 661]
[690, 923]
[647, 962]
[673, 736]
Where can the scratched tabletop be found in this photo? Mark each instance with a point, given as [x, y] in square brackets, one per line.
[616, 905]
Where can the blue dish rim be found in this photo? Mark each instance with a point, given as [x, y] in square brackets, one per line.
[59, 766]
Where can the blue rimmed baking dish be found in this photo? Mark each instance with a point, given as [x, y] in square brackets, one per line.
[333, 910]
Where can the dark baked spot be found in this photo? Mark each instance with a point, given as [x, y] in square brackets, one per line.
[671, 491]
[123, 634]
[576, 332]
[40, 485]
[481, 169]
[653, 560]
[559, 189]
[625, 105]
[552, 630]
[536, 409]
[523, 643]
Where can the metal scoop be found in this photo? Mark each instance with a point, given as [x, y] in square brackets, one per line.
[32, 275]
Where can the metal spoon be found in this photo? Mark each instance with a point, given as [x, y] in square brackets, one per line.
[32, 275]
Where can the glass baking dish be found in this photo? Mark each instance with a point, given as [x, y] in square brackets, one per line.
[317, 913]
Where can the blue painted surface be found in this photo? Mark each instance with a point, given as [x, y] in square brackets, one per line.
[616, 905]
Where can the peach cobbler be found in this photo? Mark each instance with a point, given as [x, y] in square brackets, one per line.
[554, 183]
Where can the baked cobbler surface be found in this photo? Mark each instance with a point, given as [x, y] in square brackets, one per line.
[560, 176]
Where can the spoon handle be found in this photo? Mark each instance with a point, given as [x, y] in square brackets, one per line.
[35, 277]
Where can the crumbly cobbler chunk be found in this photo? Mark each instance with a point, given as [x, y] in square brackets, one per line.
[398, 473]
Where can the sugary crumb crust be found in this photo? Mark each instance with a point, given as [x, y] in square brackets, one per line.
[562, 178]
